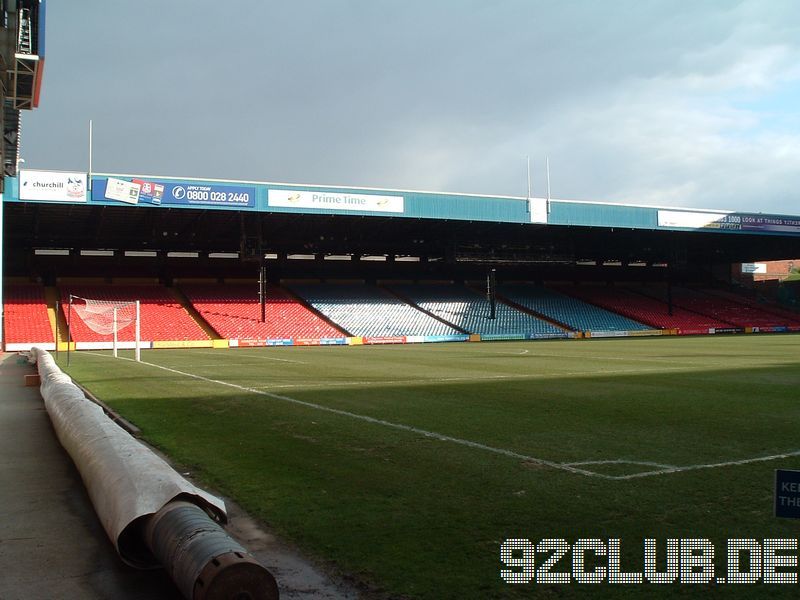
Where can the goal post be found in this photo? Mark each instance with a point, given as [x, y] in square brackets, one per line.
[105, 317]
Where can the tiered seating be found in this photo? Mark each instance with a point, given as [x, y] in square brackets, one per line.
[162, 316]
[722, 309]
[782, 316]
[369, 311]
[26, 316]
[642, 308]
[233, 310]
[572, 312]
[468, 310]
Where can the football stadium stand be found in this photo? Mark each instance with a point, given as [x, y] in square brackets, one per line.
[27, 320]
[369, 311]
[566, 310]
[644, 309]
[234, 312]
[767, 309]
[720, 308]
[163, 317]
[310, 310]
[467, 310]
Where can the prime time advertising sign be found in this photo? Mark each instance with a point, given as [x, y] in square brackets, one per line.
[335, 201]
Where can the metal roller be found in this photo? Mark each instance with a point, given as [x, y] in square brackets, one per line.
[151, 514]
[204, 561]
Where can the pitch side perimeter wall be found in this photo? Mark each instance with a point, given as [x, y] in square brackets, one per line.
[151, 192]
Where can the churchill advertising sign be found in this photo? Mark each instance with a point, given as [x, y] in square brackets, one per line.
[55, 186]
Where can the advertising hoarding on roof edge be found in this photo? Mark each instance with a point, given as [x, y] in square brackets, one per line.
[184, 193]
[728, 221]
[52, 186]
[124, 191]
[335, 201]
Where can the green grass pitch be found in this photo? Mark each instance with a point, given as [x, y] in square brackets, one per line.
[408, 466]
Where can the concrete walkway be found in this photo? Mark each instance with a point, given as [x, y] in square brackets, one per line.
[51, 542]
[53, 546]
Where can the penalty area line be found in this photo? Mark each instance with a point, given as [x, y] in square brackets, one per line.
[728, 463]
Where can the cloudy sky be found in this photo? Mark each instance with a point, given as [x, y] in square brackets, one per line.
[665, 102]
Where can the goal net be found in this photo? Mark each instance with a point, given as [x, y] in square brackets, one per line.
[107, 318]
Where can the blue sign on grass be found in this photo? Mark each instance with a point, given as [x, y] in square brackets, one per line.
[787, 494]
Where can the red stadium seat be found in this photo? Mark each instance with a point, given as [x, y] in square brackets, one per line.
[642, 308]
[233, 310]
[163, 318]
[26, 315]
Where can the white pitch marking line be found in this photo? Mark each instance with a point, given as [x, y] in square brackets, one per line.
[255, 358]
[621, 461]
[334, 384]
[583, 373]
[401, 427]
[470, 444]
[203, 366]
[645, 359]
[730, 463]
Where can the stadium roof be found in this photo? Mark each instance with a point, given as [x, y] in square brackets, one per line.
[22, 49]
[156, 192]
[166, 214]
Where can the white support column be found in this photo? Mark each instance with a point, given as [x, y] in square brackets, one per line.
[89, 179]
[138, 334]
[115, 332]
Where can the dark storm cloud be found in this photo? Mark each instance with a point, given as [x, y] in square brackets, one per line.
[635, 101]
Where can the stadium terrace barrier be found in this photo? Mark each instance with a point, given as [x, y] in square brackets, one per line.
[645, 332]
[712, 331]
[446, 338]
[776, 329]
[143, 344]
[496, 337]
[723, 330]
[605, 334]
[288, 342]
[433, 339]
[258, 343]
[629, 333]
[27, 347]
[551, 336]
[182, 344]
[109, 345]
[134, 492]
[392, 339]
